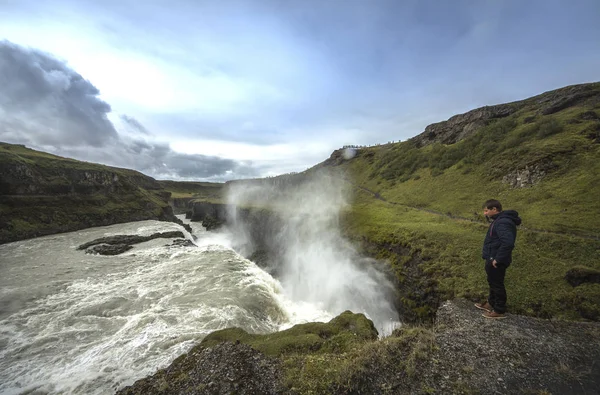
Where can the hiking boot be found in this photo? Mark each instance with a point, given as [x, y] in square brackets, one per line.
[484, 306]
[493, 314]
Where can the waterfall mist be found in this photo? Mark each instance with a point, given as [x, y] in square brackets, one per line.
[309, 256]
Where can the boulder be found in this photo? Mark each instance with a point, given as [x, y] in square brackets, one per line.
[108, 249]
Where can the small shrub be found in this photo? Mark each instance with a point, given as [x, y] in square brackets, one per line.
[549, 127]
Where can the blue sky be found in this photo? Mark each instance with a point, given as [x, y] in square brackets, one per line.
[215, 90]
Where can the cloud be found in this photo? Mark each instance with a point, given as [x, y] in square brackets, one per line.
[134, 125]
[47, 105]
[43, 99]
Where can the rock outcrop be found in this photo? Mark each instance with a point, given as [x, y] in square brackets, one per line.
[529, 175]
[515, 355]
[114, 245]
[464, 125]
[180, 205]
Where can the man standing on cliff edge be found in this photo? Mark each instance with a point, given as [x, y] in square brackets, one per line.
[497, 252]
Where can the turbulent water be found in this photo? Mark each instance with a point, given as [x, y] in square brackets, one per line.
[76, 323]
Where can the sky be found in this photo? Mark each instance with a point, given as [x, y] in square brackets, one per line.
[230, 89]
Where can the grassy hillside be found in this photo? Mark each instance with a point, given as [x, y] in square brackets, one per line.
[428, 199]
[43, 194]
[206, 191]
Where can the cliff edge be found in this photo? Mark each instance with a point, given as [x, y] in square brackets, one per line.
[463, 353]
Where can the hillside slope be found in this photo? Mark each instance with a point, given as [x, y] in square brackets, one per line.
[418, 203]
[42, 194]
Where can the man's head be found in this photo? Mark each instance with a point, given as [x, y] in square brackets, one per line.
[491, 207]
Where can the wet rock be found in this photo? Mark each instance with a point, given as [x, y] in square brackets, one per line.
[108, 249]
[182, 243]
[130, 239]
[227, 368]
[212, 223]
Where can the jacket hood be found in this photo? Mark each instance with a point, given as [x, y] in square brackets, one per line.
[511, 215]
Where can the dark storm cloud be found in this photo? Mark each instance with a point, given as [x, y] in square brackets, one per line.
[47, 105]
[161, 162]
[134, 125]
[54, 104]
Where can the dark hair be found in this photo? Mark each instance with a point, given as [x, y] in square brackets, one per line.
[490, 204]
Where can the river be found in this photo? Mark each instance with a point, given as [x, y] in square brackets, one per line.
[75, 323]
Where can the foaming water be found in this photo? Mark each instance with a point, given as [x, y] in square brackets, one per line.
[316, 265]
[85, 324]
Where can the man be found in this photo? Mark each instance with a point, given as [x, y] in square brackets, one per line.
[497, 252]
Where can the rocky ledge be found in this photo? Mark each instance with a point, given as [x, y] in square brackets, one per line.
[517, 354]
[114, 245]
[228, 368]
[462, 353]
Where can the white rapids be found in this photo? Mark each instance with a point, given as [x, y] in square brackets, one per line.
[75, 323]
[84, 324]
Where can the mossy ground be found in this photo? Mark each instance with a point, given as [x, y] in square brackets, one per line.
[338, 356]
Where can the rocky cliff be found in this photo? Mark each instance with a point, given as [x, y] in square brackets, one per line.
[256, 230]
[180, 205]
[42, 194]
[464, 125]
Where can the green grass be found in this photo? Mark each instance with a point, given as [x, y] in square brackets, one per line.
[477, 165]
[206, 191]
[451, 254]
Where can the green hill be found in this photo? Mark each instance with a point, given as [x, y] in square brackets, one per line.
[42, 194]
[418, 203]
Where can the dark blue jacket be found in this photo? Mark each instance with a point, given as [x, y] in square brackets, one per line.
[500, 237]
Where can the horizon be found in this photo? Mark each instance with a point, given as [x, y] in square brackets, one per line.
[199, 91]
[315, 164]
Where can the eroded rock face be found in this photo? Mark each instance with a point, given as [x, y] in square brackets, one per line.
[529, 175]
[201, 210]
[463, 125]
[560, 99]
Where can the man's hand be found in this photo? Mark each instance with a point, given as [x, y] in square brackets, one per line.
[494, 263]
